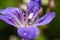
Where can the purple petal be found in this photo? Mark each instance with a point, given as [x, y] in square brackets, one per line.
[11, 10]
[28, 33]
[33, 6]
[45, 19]
[7, 20]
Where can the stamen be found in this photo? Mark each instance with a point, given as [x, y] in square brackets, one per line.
[30, 23]
[30, 16]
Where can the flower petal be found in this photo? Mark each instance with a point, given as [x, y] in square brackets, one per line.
[29, 32]
[15, 13]
[11, 10]
[33, 6]
[45, 19]
[7, 20]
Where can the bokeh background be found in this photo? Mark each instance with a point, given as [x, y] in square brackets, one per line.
[48, 32]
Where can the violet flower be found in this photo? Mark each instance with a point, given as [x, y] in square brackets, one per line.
[27, 27]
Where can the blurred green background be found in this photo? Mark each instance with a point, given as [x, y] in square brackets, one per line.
[52, 32]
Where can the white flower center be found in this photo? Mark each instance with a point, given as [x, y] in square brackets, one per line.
[30, 16]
